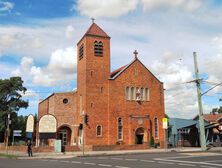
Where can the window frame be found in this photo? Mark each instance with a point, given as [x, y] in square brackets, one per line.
[101, 130]
[98, 48]
[127, 93]
[147, 94]
[132, 93]
[81, 51]
[156, 128]
[118, 132]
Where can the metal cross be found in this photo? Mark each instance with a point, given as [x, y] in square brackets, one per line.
[93, 19]
[135, 53]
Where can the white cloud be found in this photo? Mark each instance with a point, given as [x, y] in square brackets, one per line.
[60, 70]
[104, 8]
[69, 31]
[37, 42]
[184, 4]
[180, 97]
[5, 6]
[30, 93]
[116, 8]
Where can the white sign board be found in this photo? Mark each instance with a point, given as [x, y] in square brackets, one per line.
[30, 123]
[47, 124]
[17, 133]
[165, 123]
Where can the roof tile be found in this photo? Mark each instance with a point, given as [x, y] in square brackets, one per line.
[94, 29]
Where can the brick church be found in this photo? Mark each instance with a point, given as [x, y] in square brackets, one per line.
[120, 108]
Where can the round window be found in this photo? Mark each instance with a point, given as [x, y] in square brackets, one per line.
[65, 101]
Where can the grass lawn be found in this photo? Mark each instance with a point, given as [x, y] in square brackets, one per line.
[11, 156]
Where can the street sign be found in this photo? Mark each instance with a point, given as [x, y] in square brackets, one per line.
[17, 133]
[165, 123]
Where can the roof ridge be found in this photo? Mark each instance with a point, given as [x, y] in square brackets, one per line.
[94, 29]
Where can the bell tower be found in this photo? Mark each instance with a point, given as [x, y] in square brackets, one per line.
[93, 72]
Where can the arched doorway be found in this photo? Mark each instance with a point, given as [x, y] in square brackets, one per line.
[64, 133]
[139, 135]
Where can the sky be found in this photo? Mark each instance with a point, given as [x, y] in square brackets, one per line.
[38, 42]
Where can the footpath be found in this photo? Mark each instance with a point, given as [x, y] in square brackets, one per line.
[53, 155]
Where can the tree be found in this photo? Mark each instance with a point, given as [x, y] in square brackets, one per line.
[169, 130]
[217, 110]
[11, 91]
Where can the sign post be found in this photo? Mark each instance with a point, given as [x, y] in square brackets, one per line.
[165, 127]
[16, 133]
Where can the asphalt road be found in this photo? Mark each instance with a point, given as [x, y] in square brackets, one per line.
[161, 160]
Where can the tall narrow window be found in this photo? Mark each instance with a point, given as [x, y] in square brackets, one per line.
[132, 96]
[147, 94]
[99, 130]
[98, 48]
[120, 129]
[127, 93]
[156, 133]
[81, 52]
[141, 94]
[137, 93]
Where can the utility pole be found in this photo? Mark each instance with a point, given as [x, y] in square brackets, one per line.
[7, 131]
[199, 95]
[83, 141]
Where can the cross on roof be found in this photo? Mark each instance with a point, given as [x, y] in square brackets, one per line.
[93, 19]
[135, 53]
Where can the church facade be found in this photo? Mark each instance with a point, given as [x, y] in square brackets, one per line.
[123, 107]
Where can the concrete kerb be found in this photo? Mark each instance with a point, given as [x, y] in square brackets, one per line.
[112, 153]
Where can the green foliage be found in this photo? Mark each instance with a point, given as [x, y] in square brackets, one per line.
[10, 156]
[152, 143]
[217, 110]
[220, 110]
[169, 130]
[11, 91]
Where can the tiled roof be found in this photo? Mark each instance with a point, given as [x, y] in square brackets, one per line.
[212, 117]
[113, 73]
[94, 29]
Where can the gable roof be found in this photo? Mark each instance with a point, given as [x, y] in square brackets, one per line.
[210, 117]
[114, 74]
[178, 123]
[40, 101]
[95, 30]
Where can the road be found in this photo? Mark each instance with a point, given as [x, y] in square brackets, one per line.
[161, 160]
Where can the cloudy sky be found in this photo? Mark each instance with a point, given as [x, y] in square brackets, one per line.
[38, 42]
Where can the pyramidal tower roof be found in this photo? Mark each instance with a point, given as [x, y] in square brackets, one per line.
[95, 30]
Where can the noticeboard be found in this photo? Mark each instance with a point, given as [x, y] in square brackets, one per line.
[165, 123]
[47, 124]
[30, 123]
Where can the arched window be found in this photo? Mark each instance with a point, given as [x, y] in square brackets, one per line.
[81, 51]
[147, 94]
[127, 93]
[132, 96]
[141, 94]
[156, 131]
[99, 130]
[98, 48]
[137, 93]
[120, 128]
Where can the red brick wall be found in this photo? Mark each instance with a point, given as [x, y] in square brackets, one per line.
[120, 107]
[92, 83]
[64, 113]
[103, 100]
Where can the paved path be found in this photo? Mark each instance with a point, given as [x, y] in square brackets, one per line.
[152, 160]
